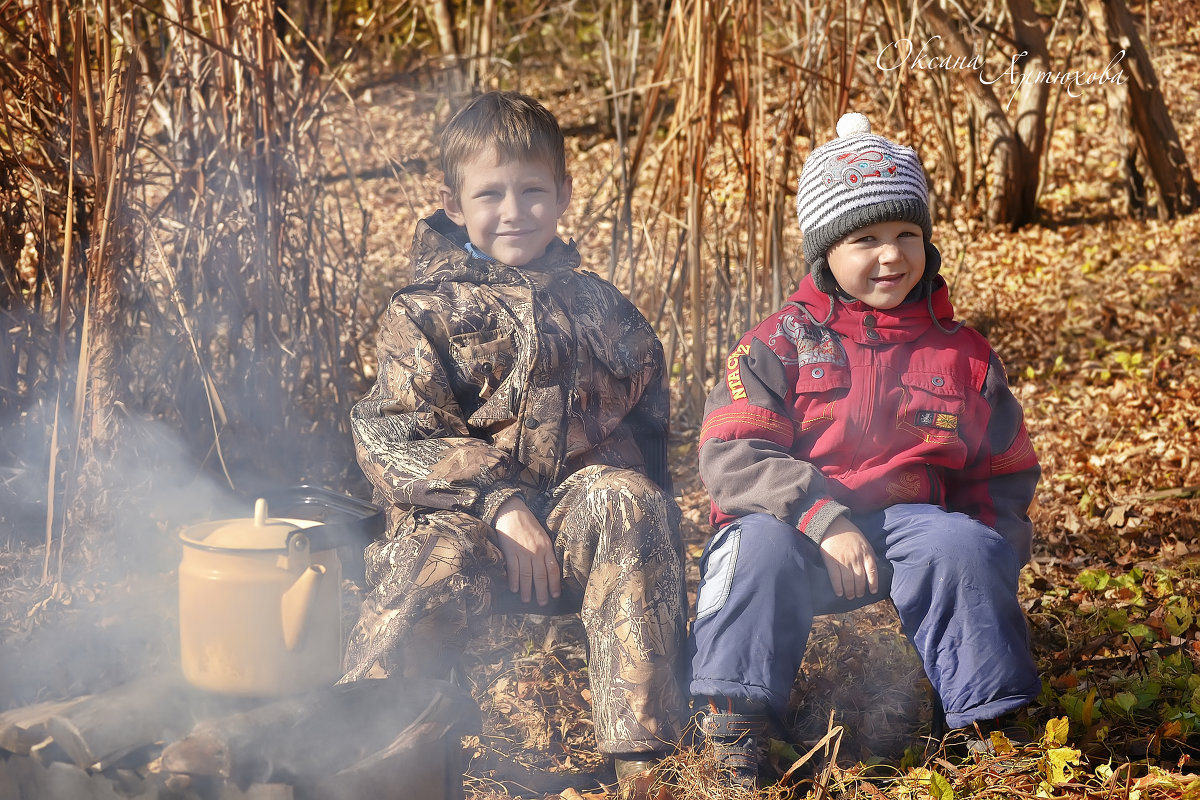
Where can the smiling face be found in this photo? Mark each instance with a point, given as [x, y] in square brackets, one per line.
[879, 264]
[510, 207]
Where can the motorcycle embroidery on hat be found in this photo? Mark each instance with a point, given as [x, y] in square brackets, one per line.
[851, 169]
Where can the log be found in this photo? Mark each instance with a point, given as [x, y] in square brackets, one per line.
[513, 777]
[25, 779]
[421, 759]
[98, 730]
[304, 739]
[23, 728]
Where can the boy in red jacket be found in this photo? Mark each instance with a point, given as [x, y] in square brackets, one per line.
[863, 445]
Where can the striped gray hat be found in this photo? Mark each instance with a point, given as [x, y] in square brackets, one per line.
[855, 180]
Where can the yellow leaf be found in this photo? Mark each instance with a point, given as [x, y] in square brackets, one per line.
[1001, 745]
[935, 783]
[1056, 731]
[1060, 763]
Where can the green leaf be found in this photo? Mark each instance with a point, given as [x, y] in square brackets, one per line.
[1095, 580]
[1141, 632]
[1126, 581]
[783, 751]
[1148, 693]
[1073, 704]
[1116, 620]
[1126, 701]
[939, 787]
[1178, 620]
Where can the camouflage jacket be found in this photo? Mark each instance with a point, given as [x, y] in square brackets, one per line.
[494, 380]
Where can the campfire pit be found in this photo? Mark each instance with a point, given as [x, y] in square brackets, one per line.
[160, 738]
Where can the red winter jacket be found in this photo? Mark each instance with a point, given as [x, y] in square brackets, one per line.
[864, 410]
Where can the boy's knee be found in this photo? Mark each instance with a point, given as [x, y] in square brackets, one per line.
[626, 495]
[625, 483]
[983, 544]
[966, 541]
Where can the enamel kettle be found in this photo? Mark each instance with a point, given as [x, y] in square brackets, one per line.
[260, 598]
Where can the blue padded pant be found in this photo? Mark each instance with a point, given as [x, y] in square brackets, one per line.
[953, 581]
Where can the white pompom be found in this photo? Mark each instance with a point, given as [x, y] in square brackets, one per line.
[853, 124]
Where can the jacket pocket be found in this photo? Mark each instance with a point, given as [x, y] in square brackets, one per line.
[931, 405]
[482, 360]
[819, 388]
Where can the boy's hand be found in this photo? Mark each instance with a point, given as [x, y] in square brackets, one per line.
[528, 552]
[849, 560]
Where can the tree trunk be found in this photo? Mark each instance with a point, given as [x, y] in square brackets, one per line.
[1156, 134]
[1031, 108]
[1006, 169]
[443, 22]
[1015, 146]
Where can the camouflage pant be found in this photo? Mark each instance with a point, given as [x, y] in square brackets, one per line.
[616, 538]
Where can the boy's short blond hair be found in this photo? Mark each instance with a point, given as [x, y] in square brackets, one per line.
[515, 125]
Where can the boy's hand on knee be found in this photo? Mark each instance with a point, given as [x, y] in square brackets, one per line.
[528, 553]
[849, 560]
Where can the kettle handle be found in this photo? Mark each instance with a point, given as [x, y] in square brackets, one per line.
[345, 520]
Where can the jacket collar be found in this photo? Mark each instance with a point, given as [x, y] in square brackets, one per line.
[439, 253]
[867, 325]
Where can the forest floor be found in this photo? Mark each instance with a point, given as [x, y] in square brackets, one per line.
[1097, 317]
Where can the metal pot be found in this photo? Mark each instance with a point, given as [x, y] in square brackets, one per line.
[260, 602]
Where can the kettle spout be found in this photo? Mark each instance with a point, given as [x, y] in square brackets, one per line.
[296, 605]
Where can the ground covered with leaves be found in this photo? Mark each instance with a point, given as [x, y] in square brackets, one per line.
[1097, 317]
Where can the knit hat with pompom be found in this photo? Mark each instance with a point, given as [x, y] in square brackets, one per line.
[855, 180]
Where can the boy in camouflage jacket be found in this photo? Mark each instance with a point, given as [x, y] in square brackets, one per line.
[518, 428]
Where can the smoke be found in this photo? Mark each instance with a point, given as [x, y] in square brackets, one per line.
[113, 615]
[110, 614]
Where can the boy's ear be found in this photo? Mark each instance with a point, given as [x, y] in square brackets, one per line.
[451, 205]
[564, 195]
